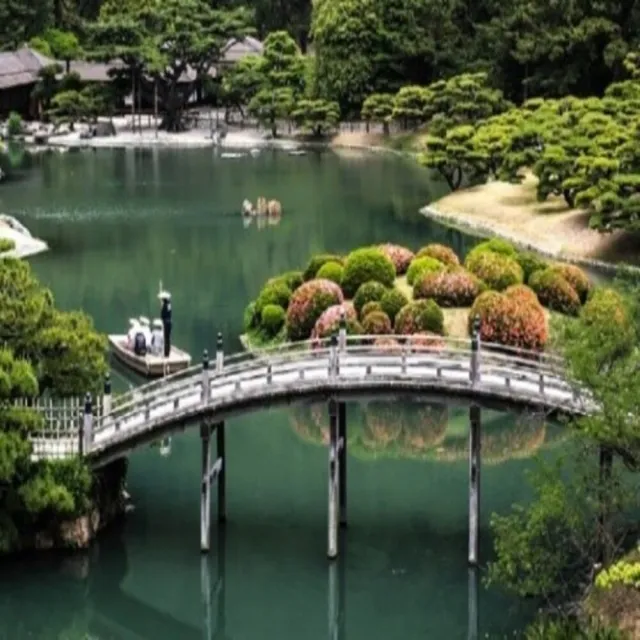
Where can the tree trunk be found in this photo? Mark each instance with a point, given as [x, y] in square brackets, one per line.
[569, 197]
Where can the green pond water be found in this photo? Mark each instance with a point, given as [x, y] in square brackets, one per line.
[118, 222]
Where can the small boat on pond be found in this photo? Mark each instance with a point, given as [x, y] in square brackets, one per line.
[147, 350]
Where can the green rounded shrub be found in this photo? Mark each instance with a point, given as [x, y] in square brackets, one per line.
[530, 263]
[292, 279]
[454, 287]
[495, 245]
[377, 323]
[363, 265]
[333, 271]
[421, 266]
[440, 252]
[496, 270]
[369, 308]
[251, 318]
[607, 312]
[576, 277]
[554, 292]
[317, 261]
[272, 319]
[368, 292]
[392, 301]
[420, 316]
[273, 293]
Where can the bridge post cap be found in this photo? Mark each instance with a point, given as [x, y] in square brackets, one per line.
[107, 382]
[205, 359]
[334, 339]
[476, 323]
[87, 401]
[219, 337]
[343, 318]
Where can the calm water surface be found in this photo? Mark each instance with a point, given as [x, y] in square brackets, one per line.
[120, 221]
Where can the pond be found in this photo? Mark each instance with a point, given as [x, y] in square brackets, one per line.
[117, 223]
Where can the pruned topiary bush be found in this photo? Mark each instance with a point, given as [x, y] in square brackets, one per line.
[369, 308]
[333, 271]
[454, 287]
[377, 323]
[607, 311]
[292, 279]
[251, 318]
[308, 303]
[576, 277]
[495, 245]
[399, 255]
[421, 266]
[363, 265]
[554, 292]
[368, 292]
[274, 292]
[392, 301]
[420, 316]
[509, 321]
[496, 270]
[272, 319]
[522, 293]
[530, 263]
[329, 322]
[440, 252]
[316, 262]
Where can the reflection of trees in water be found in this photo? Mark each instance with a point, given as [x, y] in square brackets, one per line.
[381, 429]
[417, 430]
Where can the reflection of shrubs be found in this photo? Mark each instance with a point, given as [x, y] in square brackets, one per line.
[368, 292]
[376, 323]
[329, 322]
[418, 317]
[510, 321]
[363, 265]
[333, 271]
[369, 308]
[555, 292]
[498, 271]
[400, 256]
[422, 266]
[495, 245]
[307, 304]
[452, 288]
[530, 263]
[273, 293]
[318, 261]
[576, 277]
[440, 252]
[272, 319]
[392, 301]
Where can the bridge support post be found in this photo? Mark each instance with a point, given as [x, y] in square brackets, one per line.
[205, 489]
[85, 435]
[334, 481]
[474, 482]
[106, 397]
[342, 333]
[222, 473]
[472, 624]
[206, 389]
[219, 353]
[342, 461]
[474, 368]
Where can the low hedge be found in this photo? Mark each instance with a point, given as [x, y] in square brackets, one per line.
[555, 292]
[392, 301]
[364, 265]
[333, 271]
[274, 292]
[399, 255]
[421, 266]
[368, 292]
[420, 316]
[313, 266]
[576, 277]
[496, 270]
[308, 303]
[455, 287]
[272, 319]
[440, 252]
[377, 323]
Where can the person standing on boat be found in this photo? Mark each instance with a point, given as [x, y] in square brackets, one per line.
[167, 321]
[157, 338]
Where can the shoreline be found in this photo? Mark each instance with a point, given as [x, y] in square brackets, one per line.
[25, 246]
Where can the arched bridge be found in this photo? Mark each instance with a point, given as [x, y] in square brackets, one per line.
[341, 367]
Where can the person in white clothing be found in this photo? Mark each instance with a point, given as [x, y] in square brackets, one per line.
[146, 330]
[157, 338]
[134, 327]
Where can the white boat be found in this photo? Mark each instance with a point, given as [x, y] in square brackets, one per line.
[297, 152]
[230, 154]
[149, 365]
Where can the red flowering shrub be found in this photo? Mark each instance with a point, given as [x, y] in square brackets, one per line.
[307, 304]
[555, 292]
[510, 321]
[455, 287]
[329, 322]
[421, 266]
[440, 252]
[496, 270]
[522, 293]
[576, 277]
[377, 323]
[418, 317]
[400, 256]
[426, 341]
